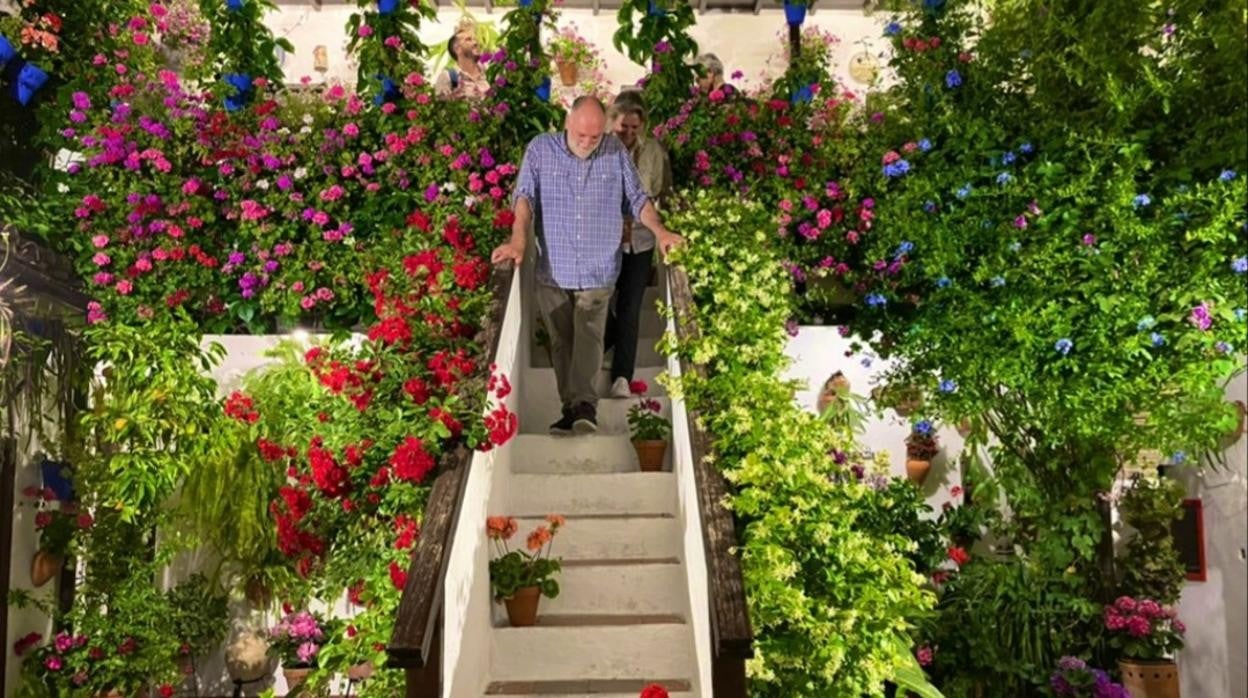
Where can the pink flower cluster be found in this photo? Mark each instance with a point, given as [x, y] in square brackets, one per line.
[1141, 618]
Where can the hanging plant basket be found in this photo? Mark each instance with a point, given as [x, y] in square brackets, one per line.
[917, 470]
[44, 567]
[568, 72]
[795, 13]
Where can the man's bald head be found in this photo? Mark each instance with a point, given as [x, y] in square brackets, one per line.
[586, 122]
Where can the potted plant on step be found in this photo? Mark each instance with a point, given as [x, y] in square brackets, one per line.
[1148, 634]
[519, 578]
[921, 447]
[297, 641]
[649, 428]
[56, 522]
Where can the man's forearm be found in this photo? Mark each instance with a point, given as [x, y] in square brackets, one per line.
[650, 218]
[520, 226]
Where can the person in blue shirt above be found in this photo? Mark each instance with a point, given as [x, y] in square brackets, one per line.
[576, 188]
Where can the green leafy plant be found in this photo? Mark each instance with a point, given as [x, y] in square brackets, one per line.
[241, 42]
[198, 616]
[388, 45]
[513, 570]
[1149, 565]
[922, 443]
[655, 35]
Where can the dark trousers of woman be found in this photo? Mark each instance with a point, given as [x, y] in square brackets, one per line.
[624, 323]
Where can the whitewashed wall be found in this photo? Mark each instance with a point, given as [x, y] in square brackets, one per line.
[1214, 661]
[743, 41]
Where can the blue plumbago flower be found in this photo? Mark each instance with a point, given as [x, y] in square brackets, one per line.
[948, 386]
[925, 145]
[1146, 323]
[876, 300]
[1025, 53]
[1026, 148]
[924, 427]
[1239, 265]
[929, 206]
[1240, 314]
[896, 169]
[943, 282]
[904, 248]
[1157, 339]
[1224, 347]
[866, 362]
[1178, 457]
[998, 281]
[892, 29]
[963, 191]
[1004, 178]
[1063, 346]
[953, 79]
[1008, 158]
[1141, 200]
[1015, 246]
[1227, 175]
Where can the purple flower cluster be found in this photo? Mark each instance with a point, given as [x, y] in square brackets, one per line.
[1075, 679]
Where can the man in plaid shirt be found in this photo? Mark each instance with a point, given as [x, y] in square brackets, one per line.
[576, 188]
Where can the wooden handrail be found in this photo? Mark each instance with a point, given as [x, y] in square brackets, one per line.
[731, 635]
[414, 644]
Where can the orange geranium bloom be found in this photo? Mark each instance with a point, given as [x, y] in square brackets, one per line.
[500, 527]
[556, 521]
[538, 538]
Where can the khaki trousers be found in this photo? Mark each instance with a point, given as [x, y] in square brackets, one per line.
[576, 321]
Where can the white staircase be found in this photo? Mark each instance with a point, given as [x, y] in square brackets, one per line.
[622, 619]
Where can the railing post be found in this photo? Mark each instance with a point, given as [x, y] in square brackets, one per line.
[728, 677]
[426, 681]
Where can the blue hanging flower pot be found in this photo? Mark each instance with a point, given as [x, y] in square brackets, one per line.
[803, 96]
[241, 82]
[389, 91]
[543, 90]
[526, 3]
[58, 477]
[656, 10]
[30, 78]
[794, 12]
[387, 7]
[7, 52]
[234, 5]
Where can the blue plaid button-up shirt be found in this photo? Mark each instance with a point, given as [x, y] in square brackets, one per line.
[578, 209]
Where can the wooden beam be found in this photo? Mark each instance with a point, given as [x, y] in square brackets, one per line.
[811, 8]
[758, 6]
[597, 7]
[701, 6]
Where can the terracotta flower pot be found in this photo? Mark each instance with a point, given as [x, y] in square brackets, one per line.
[568, 73]
[522, 608]
[44, 566]
[650, 455]
[295, 678]
[1150, 679]
[917, 470]
[360, 672]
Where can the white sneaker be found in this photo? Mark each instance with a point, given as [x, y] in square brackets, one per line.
[620, 389]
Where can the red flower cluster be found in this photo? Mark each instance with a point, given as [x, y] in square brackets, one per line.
[408, 530]
[241, 407]
[410, 461]
[331, 479]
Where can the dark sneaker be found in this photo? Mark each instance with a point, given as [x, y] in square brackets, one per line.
[584, 419]
[563, 427]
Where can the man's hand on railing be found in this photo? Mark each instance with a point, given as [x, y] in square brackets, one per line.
[508, 252]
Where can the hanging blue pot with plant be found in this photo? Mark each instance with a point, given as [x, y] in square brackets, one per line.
[387, 7]
[234, 5]
[795, 12]
[389, 91]
[543, 90]
[526, 3]
[803, 96]
[241, 82]
[7, 52]
[30, 78]
[656, 10]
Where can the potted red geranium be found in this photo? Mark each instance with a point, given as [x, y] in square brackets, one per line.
[1148, 634]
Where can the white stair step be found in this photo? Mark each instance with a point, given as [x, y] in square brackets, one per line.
[536, 416]
[615, 538]
[607, 493]
[620, 589]
[601, 653]
[634, 694]
[572, 455]
[538, 391]
[647, 355]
